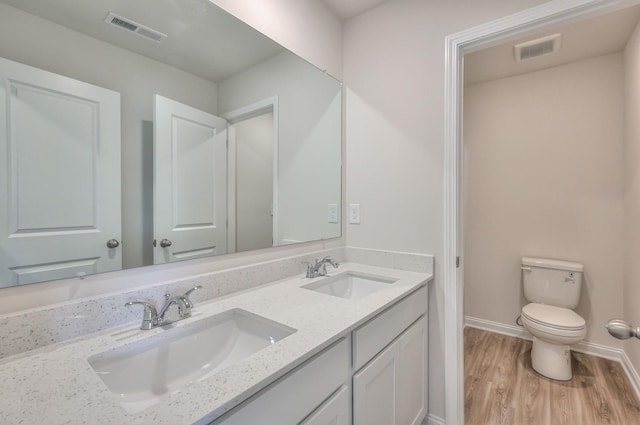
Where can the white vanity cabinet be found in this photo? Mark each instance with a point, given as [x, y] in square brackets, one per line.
[298, 394]
[375, 375]
[389, 386]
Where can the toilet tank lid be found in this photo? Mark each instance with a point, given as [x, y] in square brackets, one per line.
[548, 263]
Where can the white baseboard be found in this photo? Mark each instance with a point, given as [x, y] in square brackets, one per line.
[631, 372]
[500, 328]
[615, 354]
[434, 420]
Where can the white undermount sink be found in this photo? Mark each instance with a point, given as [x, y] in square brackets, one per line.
[142, 372]
[349, 285]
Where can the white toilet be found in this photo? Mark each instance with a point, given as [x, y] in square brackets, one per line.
[552, 288]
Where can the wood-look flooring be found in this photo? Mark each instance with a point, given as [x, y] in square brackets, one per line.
[502, 388]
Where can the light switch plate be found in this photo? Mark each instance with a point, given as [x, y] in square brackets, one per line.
[333, 213]
[354, 213]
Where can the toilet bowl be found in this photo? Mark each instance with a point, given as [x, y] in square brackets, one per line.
[554, 330]
[552, 288]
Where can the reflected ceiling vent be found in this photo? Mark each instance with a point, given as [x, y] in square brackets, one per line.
[538, 47]
[129, 25]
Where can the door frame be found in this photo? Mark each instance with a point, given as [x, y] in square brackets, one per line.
[252, 110]
[539, 18]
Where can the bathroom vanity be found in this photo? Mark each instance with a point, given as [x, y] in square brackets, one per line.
[350, 347]
[381, 363]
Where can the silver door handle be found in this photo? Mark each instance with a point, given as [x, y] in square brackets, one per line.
[622, 330]
[165, 243]
[113, 243]
[525, 268]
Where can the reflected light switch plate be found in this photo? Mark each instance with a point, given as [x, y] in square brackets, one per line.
[354, 213]
[333, 213]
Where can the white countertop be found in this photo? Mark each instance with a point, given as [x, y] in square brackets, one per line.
[56, 384]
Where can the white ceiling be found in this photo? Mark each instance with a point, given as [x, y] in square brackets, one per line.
[346, 9]
[203, 39]
[590, 38]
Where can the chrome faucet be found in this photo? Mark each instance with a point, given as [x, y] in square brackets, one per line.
[319, 268]
[152, 319]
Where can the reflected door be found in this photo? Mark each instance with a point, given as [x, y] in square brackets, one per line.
[60, 182]
[190, 182]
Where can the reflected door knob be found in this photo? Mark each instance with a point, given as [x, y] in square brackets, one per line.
[113, 243]
[165, 243]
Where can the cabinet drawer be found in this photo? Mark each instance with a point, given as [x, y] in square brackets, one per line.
[373, 336]
[334, 411]
[291, 399]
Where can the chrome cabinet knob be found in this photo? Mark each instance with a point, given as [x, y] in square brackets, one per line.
[165, 243]
[113, 243]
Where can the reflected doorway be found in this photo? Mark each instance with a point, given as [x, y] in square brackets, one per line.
[253, 176]
[254, 182]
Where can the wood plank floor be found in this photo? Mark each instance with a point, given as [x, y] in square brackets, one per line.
[502, 388]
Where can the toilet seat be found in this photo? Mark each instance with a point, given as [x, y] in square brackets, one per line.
[553, 318]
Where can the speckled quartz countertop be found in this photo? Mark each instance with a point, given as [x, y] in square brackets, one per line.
[56, 384]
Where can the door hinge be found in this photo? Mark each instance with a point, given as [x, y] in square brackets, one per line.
[457, 262]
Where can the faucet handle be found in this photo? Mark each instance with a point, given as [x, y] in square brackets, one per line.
[330, 260]
[310, 269]
[186, 295]
[149, 317]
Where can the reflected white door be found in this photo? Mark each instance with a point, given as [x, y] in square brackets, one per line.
[60, 182]
[190, 182]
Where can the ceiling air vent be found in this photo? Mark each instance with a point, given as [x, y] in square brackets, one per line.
[139, 29]
[538, 47]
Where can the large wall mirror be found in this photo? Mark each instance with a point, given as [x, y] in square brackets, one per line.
[142, 132]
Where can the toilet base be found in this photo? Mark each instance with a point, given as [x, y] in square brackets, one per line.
[551, 360]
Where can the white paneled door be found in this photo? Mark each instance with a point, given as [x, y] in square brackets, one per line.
[190, 182]
[60, 177]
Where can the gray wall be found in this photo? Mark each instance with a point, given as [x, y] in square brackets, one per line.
[309, 132]
[394, 77]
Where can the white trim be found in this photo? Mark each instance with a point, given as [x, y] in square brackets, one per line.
[255, 109]
[434, 420]
[252, 110]
[538, 18]
[285, 241]
[631, 372]
[231, 187]
[497, 327]
[585, 347]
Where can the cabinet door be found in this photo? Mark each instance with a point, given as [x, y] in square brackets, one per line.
[374, 394]
[390, 390]
[410, 389]
[334, 411]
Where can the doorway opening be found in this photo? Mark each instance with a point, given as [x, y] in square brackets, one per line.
[544, 17]
[253, 176]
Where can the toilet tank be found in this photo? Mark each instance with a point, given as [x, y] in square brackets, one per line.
[552, 282]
